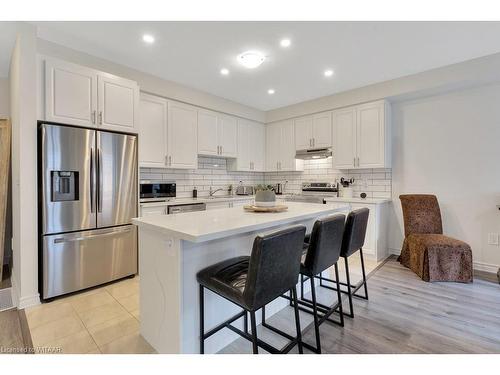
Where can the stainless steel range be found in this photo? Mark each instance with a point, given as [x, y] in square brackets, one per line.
[315, 192]
[88, 196]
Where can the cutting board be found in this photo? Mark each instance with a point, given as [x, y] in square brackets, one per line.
[277, 208]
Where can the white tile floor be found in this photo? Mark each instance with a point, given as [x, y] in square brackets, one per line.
[106, 319]
[102, 320]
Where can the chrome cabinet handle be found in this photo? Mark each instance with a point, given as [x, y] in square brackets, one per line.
[358, 161]
[166, 160]
[170, 160]
[221, 150]
[314, 142]
[354, 162]
[100, 117]
[93, 116]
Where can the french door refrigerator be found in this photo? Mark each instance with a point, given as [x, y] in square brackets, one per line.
[88, 196]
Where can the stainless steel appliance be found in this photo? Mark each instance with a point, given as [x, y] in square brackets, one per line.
[188, 207]
[88, 196]
[315, 192]
[319, 153]
[152, 191]
[244, 190]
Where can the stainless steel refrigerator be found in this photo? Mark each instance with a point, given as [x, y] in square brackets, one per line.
[88, 196]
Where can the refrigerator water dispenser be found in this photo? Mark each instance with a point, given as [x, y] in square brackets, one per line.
[64, 186]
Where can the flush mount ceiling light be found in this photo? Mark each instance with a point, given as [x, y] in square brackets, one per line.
[328, 73]
[285, 43]
[148, 38]
[271, 91]
[251, 59]
[224, 71]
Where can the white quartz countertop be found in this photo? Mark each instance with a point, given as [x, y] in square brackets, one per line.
[358, 200]
[174, 201]
[201, 226]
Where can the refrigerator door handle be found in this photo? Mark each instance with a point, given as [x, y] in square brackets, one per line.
[99, 182]
[100, 235]
[92, 181]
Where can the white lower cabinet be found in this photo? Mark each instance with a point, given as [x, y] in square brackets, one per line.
[376, 240]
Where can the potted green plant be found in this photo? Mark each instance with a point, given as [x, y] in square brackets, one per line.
[265, 196]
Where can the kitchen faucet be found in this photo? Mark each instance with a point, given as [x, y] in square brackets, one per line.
[212, 192]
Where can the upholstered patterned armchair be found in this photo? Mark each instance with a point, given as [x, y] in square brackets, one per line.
[426, 251]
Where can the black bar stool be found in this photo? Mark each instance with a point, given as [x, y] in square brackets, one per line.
[353, 240]
[252, 282]
[321, 253]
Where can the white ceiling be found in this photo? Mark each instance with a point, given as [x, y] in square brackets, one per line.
[360, 53]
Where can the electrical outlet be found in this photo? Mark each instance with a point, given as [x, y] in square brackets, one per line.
[493, 239]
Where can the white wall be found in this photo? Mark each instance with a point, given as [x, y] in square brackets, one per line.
[22, 77]
[4, 98]
[449, 145]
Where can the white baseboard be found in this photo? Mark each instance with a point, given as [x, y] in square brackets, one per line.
[24, 301]
[394, 251]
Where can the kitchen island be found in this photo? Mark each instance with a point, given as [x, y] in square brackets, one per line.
[173, 248]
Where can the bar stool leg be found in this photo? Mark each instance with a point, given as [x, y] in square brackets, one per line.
[301, 286]
[297, 320]
[349, 292]
[315, 314]
[339, 295]
[254, 333]
[363, 271]
[202, 321]
[245, 322]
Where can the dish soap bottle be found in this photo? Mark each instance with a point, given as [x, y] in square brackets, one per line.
[195, 192]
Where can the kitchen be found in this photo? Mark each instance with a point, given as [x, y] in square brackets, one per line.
[178, 172]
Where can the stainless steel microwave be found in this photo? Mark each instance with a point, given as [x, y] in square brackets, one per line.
[156, 190]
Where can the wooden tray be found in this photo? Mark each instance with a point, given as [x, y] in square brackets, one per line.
[277, 208]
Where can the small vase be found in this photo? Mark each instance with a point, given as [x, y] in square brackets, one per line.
[265, 198]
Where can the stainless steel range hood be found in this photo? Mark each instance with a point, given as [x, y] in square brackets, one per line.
[319, 153]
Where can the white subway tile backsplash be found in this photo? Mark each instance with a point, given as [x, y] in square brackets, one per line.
[376, 183]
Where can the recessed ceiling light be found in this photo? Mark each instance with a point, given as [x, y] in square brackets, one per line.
[148, 38]
[328, 73]
[224, 71]
[285, 43]
[251, 59]
[271, 91]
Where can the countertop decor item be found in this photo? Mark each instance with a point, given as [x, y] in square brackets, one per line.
[277, 208]
[265, 196]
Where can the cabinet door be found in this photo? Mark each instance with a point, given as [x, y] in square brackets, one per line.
[370, 135]
[322, 130]
[228, 136]
[257, 147]
[207, 133]
[304, 133]
[152, 131]
[344, 138]
[153, 210]
[182, 136]
[273, 144]
[370, 245]
[287, 150]
[70, 93]
[244, 145]
[118, 103]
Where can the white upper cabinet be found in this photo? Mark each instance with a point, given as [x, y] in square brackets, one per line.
[344, 138]
[82, 96]
[280, 148]
[152, 131]
[182, 136]
[208, 142]
[217, 134]
[313, 131]
[227, 131]
[118, 103]
[251, 147]
[70, 93]
[362, 136]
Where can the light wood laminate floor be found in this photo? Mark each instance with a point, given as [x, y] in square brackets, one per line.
[405, 315]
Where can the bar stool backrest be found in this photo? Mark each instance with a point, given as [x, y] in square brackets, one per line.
[325, 244]
[355, 231]
[274, 265]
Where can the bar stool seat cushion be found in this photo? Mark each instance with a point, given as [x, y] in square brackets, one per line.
[227, 278]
